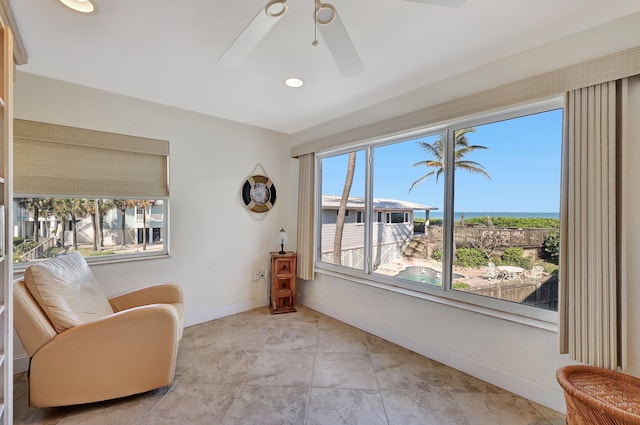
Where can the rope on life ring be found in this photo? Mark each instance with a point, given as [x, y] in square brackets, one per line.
[258, 193]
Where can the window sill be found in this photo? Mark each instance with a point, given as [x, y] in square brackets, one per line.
[486, 311]
[19, 268]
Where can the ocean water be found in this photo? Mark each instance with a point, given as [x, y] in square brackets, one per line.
[458, 215]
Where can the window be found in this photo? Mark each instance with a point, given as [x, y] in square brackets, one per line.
[338, 232]
[397, 217]
[485, 233]
[359, 217]
[102, 194]
[113, 228]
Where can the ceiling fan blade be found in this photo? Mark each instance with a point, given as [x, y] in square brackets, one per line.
[341, 47]
[448, 3]
[249, 38]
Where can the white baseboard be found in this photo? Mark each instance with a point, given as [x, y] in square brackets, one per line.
[548, 397]
[195, 318]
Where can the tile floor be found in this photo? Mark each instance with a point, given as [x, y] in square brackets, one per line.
[300, 368]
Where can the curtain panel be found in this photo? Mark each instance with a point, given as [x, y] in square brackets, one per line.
[306, 215]
[589, 283]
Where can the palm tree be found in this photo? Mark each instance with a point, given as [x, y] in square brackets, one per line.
[61, 209]
[37, 206]
[144, 204]
[104, 206]
[342, 209]
[122, 205]
[437, 149]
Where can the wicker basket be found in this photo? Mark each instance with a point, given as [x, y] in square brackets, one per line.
[599, 396]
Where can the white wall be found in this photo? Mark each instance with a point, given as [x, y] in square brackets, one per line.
[215, 241]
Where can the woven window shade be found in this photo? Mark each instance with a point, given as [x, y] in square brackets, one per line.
[52, 159]
[589, 271]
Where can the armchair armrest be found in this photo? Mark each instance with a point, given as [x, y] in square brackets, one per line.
[122, 354]
[163, 293]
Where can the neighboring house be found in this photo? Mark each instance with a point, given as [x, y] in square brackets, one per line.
[112, 223]
[392, 228]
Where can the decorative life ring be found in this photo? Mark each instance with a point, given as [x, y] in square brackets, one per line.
[258, 193]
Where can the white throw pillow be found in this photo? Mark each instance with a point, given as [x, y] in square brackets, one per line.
[67, 291]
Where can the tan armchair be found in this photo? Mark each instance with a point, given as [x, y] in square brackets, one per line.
[98, 349]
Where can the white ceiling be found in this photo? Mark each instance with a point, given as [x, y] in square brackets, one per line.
[167, 51]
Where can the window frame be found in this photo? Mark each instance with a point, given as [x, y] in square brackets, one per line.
[366, 274]
[19, 268]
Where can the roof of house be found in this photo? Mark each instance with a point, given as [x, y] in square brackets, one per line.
[355, 203]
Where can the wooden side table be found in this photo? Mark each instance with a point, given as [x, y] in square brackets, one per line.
[283, 283]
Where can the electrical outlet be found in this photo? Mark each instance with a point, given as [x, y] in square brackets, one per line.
[256, 274]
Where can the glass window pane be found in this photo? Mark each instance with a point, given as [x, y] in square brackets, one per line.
[45, 227]
[507, 202]
[342, 210]
[408, 201]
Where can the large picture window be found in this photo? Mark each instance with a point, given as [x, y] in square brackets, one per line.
[469, 212]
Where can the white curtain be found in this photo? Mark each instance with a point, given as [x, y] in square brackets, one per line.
[589, 287]
[306, 215]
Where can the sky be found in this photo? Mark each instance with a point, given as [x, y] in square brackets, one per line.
[523, 159]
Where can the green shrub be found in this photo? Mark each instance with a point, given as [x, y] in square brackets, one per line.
[470, 257]
[551, 247]
[516, 222]
[435, 222]
[17, 241]
[514, 257]
[461, 286]
[25, 247]
[436, 254]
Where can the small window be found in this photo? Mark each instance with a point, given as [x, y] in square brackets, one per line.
[359, 216]
[397, 217]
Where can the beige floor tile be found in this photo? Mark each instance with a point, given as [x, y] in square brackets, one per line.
[198, 336]
[292, 339]
[222, 367]
[344, 370]
[187, 358]
[268, 406]
[498, 409]
[239, 338]
[421, 408]
[126, 411]
[342, 339]
[282, 369]
[345, 406]
[300, 368]
[193, 404]
[404, 372]
[381, 346]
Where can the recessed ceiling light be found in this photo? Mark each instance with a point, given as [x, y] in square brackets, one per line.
[294, 82]
[84, 6]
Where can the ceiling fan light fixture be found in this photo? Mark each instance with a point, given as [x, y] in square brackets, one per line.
[82, 6]
[276, 8]
[294, 82]
[325, 13]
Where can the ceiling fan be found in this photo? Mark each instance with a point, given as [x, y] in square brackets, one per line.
[326, 19]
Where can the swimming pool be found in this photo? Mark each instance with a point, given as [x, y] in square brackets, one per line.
[424, 275]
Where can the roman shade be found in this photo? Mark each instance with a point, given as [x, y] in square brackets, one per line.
[52, 159]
